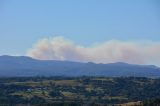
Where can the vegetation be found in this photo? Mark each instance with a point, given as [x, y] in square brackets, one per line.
[78, 91]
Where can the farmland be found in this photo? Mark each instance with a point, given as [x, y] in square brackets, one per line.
[59, 91]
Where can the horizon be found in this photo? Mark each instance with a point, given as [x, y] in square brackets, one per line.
[80, 61]
[83, 31]
[80, 52]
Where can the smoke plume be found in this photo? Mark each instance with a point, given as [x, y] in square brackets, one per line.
[135, 52]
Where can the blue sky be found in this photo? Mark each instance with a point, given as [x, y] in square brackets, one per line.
[24, 22]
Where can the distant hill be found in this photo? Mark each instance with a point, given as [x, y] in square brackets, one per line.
[26, 66]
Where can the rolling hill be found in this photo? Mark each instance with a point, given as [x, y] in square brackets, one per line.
[26, 66]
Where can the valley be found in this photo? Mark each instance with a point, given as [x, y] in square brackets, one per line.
[78, 91]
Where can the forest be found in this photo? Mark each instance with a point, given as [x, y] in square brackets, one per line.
[79, 91]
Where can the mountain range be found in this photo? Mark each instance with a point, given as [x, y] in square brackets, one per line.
[12, 66]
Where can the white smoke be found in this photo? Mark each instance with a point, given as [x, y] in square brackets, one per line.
[58, 48]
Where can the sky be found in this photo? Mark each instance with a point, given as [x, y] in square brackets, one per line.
[31, 26]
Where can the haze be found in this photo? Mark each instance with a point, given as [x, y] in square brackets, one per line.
[97, 31]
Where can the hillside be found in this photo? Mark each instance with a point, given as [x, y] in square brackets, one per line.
[79, 91]
[26, 66]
